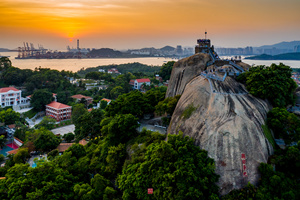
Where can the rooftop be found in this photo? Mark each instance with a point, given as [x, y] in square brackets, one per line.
[107, 100]
[143, 80]
[29, 96]
[6, 89]
[83, 142]
[13, 151]
[80, 96]
[57, 105]
[64, 146]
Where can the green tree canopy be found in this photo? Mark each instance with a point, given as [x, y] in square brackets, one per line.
[99, 188]
[155, 95]
[132, 103]
[285, 125]
[175, 169]
[5, 63]
[47, 122]
[273, 83]
[15, 76]
[46, 141]
[64, 97]
[21, 156]
[276, 185]
[288, 161]
[168, 105]
[21, 130]
[9, 116]
[116, 91]
[77, 111]
[3, 141]
[120, 128]
[41, 98]
[166, 70]
[46, 181]
[69, 137]
[88, 124]
[103, 104]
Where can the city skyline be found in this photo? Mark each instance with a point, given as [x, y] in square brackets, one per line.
[147, 23]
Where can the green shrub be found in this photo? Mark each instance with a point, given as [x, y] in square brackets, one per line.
[188, 111]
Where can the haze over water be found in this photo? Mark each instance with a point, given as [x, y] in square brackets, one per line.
[76, 64]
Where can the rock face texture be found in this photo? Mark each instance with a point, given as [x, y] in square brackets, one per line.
[224, 120]
[185, 70]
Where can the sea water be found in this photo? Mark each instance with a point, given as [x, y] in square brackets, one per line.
[77, 64]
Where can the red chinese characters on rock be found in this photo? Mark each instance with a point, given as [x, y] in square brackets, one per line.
[150, 190]
[244, 164]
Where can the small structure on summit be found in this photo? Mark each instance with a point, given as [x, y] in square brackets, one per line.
[217, 68]
[204, 45]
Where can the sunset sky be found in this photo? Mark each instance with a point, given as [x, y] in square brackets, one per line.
[123, 24]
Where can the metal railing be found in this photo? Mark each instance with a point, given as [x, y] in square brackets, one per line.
[236, 66]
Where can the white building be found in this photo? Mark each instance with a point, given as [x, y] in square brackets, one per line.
[137, 83]
[10, 96]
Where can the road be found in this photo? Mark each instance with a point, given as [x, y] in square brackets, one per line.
[64, 130]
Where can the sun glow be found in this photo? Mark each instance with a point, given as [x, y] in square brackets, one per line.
[145, 22]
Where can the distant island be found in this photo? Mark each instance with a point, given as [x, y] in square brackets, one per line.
[4, 50]
[285, 56]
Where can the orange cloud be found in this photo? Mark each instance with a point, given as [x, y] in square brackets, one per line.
[147, 18]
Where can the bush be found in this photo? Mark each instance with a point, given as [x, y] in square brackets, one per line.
[273, 83]
[2, 157]
[285, 125]
[69, 137]
[175, 169]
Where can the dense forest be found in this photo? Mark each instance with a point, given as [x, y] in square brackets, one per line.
[124, 68]
[121, 161]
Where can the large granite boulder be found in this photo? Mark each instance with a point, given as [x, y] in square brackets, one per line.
[224, 120]
[184, 70]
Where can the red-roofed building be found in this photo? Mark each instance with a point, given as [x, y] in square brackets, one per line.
[10, 96]
[137, 83]
[62, 147]
[107, 100]
[78, 97]
[12, 151]
[157, 77]
[113, 71]
[58, 111]
[131, 82]
[83, 142]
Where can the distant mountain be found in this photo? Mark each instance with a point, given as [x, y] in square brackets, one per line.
[281, 45]
[4, 50]
[285, 56]
[105, 52]
[167, 48]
